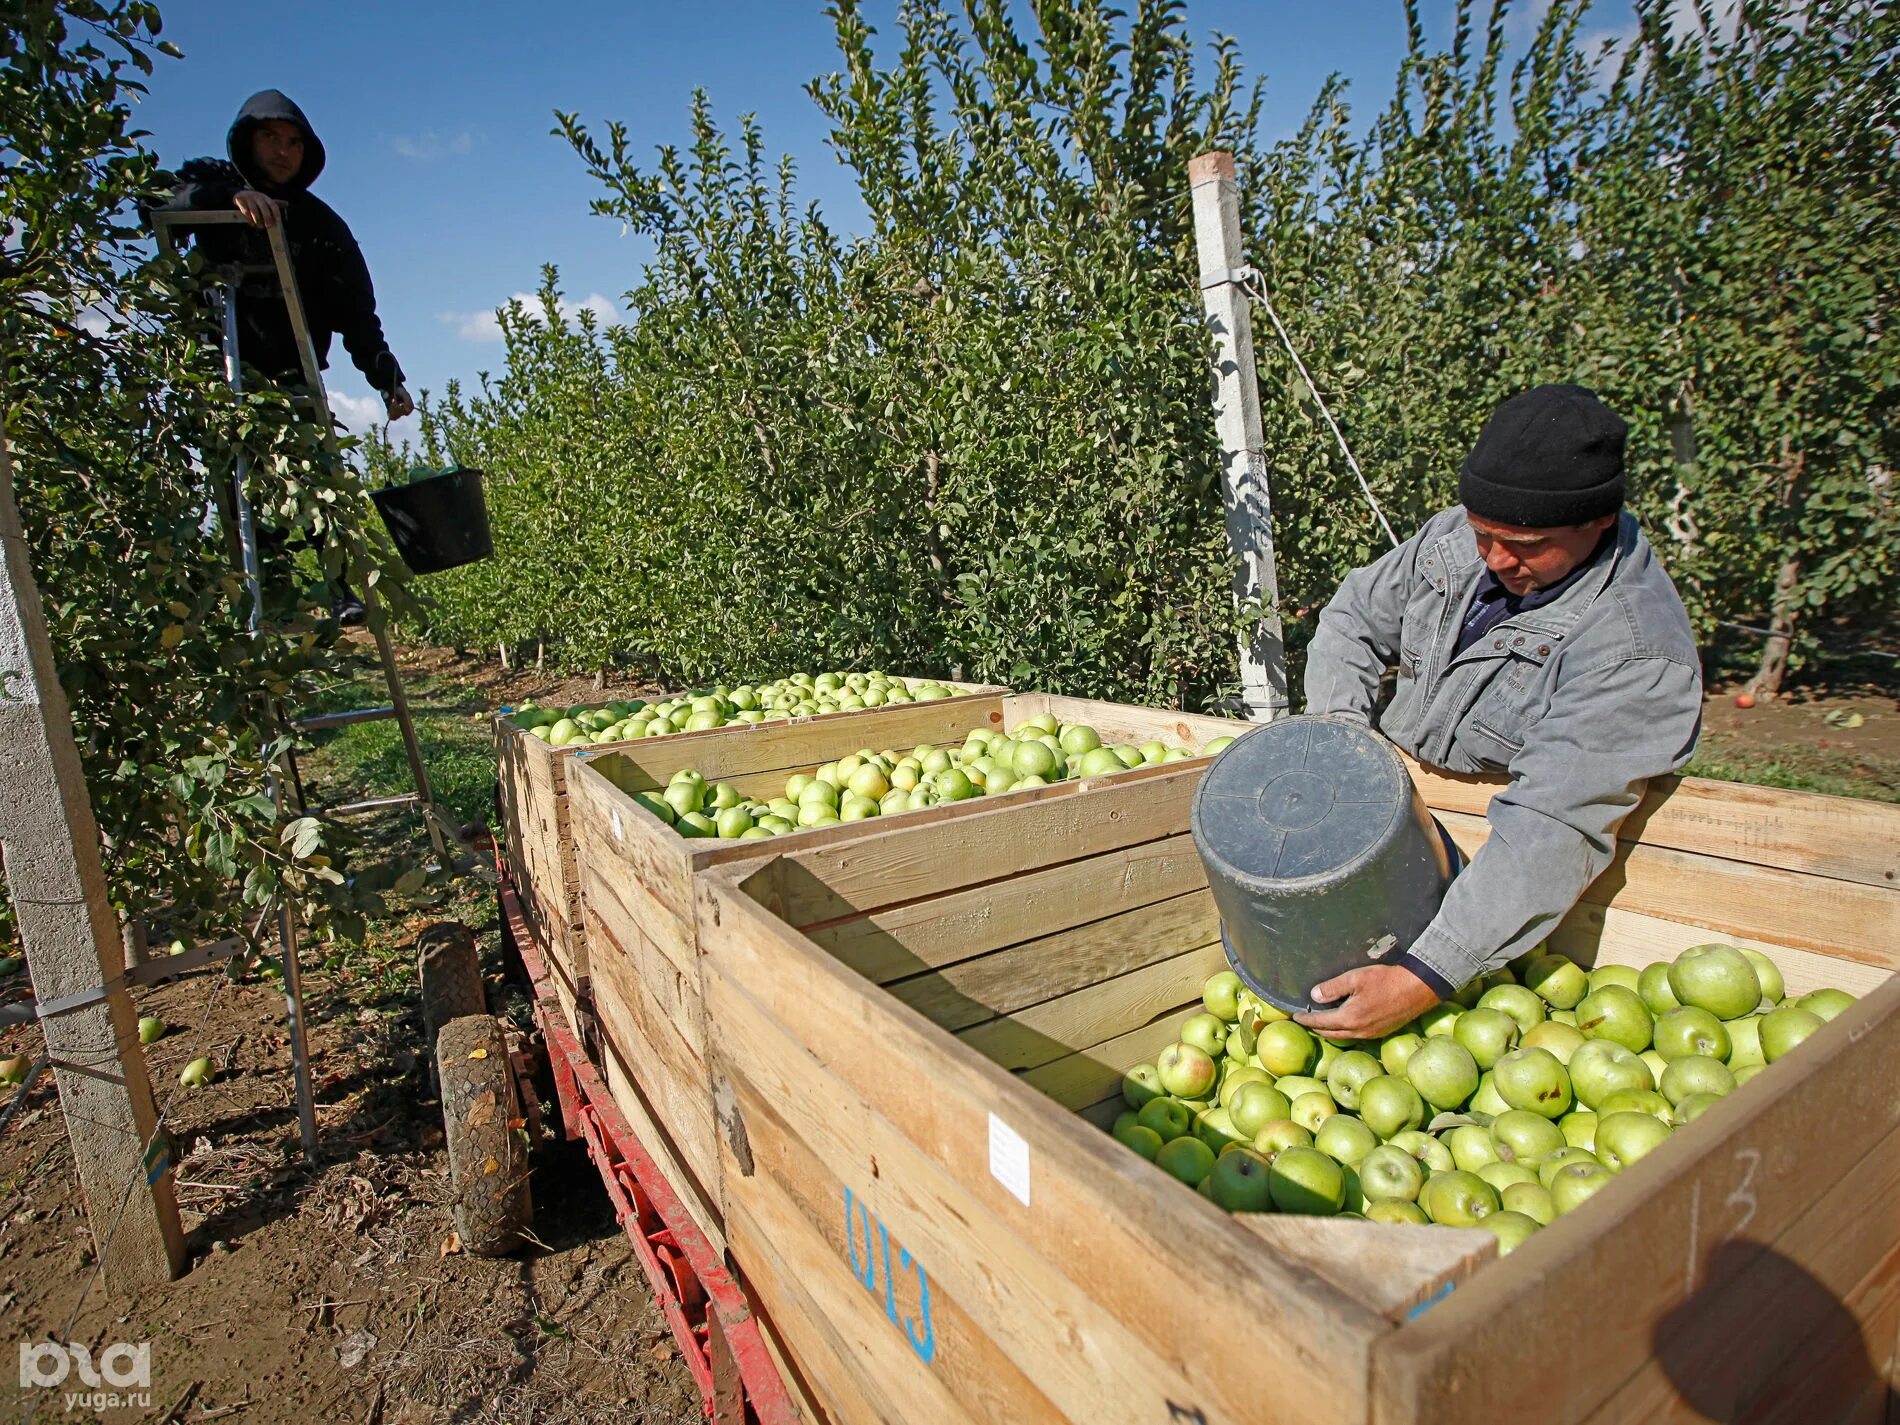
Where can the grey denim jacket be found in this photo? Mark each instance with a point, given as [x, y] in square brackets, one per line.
[1582, 701]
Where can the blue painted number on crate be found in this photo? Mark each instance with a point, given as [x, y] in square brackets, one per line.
[877, 1244]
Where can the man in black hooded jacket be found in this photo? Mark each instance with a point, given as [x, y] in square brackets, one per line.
[274, 158]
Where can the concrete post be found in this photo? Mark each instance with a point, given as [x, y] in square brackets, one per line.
[1244, 494]
[50, 847]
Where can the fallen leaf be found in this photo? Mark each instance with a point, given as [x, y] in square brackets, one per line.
[357, 1345]
[490, 1168]
[478, 1053]
[481, 1112]
[451, 1245]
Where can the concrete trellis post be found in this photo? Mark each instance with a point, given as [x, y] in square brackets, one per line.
[1244, 493]
[50, 847]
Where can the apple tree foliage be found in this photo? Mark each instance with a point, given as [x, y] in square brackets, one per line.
[977, 436]
[122, 433]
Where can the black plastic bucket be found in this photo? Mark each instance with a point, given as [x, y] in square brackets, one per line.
[439, 521]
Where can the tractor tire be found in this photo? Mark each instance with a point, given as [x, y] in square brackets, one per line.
[488, 1150]
[449, 967]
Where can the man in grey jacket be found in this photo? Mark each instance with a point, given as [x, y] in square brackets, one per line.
[1534, 632]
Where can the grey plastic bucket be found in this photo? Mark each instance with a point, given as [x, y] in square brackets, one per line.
[1320, 854]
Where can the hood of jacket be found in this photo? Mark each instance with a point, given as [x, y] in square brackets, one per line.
[265, 105]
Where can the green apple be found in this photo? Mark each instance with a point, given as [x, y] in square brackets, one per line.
[1144, 1141]
[1634, 1101]
[1747, 1072]
[1502, 1175]
[1257, 1104]
[1394, 1210]
[1389, 1105]
[195, 1074]
[1520, 1003]
[1826, 1003]
[1691, 1031]
[1141, 1084]
[1575, 1184]
[1457, 1198]
[1188, 1159]
[1310, 1110]
[1295, 1086]
[1237, 1077]
[1524, 1136]
[1531, 1199]
[1388, 1173]
[1242, 1182]
[1396, 1051]
[1654, 988]
[1345, 1139]
[1168, 1117]
[1561, 1040]
[1489, 1034]
[1186, 1071]
[1471, 1147]
[1534, 1080]
[1512, 1229]
[1306, 1180]
[1744, 1040]
[1276, 1135]
[1350, 1072]
[1579, 1128]
[1601, 1067]
[1216, 1129]
[1718, 978]
[1559, 982]
[1625, 1138]
[1694, 1106]
[1693, 1075]
[1435, 1156]
[1443, 1071]
[1628, 976]
[1285, 1048]
[151, 1029]
[1773, 987]
[1616, 1014]
[1439, 1019]
[1240, 1043]
[1785, 1028]
[1206, 1033]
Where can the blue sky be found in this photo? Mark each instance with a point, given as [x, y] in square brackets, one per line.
[437, 120]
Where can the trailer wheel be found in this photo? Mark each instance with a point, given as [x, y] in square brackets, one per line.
[450, 970]
[483, 1130]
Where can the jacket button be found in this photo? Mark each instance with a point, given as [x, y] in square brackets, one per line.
[1543, 650]
[1497, 643]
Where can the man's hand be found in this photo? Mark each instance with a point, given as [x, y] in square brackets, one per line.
[1375, 1000]
[398, 403]
[260, 209]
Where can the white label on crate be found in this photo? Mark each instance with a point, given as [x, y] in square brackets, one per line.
[619, 835]
[1009, 1159]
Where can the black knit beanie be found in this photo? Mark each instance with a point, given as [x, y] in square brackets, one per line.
[1549, 456]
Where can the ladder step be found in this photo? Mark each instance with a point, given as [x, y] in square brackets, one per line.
[369, 804]
[319, 721]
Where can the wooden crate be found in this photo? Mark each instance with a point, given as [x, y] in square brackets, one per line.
[906, 1033]
[533, 791]
[637, 877]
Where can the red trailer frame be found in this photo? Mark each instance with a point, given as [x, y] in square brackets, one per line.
[698, 1293]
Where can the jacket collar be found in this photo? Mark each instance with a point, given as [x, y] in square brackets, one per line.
[1453, 564]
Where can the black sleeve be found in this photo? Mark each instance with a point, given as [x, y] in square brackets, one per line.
[205, 183]
[354, 311]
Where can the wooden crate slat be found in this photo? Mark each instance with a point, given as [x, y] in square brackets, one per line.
[1748, 1169]
[1014, 978]
[1599, 935]
[1391, 1271]
[1840, 837]
[1845, 918]
[1095, 1072]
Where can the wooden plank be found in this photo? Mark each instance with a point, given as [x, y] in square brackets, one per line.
[1391, 1271]
[1842, 837]
[1285, 1321]
[1609, 935]
[1017, 1268]
[1843, 918]
[1721, 1354]
[1011, 979]
[929, 934]
[905, 1328]
[1092, 1074]
[1058, 1027]
[1746, 1171]
[890, 869]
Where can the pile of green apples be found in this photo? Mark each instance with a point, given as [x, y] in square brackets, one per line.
[1503, 1109]
[801, 695]
[1039, 751]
